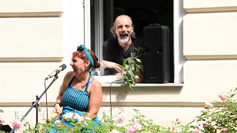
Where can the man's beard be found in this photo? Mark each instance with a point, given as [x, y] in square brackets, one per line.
[123, 40]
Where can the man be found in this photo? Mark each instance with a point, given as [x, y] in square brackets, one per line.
[120, 47]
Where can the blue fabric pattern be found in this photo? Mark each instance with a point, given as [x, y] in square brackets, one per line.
[75, 101]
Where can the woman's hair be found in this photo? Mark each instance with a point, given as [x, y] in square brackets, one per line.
[80, 54]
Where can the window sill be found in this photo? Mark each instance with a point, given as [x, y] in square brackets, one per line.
[145, 85]
[106, 81]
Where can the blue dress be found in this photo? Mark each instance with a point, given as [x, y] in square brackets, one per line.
[75, 101]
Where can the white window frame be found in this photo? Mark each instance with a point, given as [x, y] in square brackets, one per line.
[179, 13]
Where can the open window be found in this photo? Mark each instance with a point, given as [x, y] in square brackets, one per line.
[143, 12]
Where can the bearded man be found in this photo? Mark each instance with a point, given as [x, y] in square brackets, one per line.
[120, 46]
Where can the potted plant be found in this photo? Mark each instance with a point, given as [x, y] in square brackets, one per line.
[132, 68]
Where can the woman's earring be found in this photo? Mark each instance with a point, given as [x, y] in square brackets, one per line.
[86, 68]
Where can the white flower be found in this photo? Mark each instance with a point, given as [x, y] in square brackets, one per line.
[114, 131]
[68, 115]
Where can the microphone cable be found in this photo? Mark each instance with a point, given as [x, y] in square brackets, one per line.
[46, 99]
[110, 97]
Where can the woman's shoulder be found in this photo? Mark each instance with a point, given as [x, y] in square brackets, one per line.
[95, 85]
[69, 75]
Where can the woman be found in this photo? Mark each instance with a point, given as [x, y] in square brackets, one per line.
[80, 92]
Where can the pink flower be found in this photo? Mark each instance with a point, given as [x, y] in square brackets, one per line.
[207, 105]
[16, 124]
[3, 121]
[224, 129]
[173, 127]
[136, 126]
[114, 131]
[201, 127]
[222, 97]
[131, 130]
[78, 117]
[63, 119]
[121, 119]
[196, 131]
[178, 121]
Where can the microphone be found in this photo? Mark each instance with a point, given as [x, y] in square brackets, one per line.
[55, 72]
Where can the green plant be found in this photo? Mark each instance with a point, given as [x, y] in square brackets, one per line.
[219, 119]
[130, 65]
[222, 118]
[138, 124]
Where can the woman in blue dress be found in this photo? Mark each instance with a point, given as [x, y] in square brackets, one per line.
[80, 92]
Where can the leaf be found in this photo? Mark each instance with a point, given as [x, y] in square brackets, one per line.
[124, 62]
[138, 60]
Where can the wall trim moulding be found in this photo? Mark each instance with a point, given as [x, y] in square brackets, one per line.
[31, 59]
[211, 9]
[32, 14]
[116, 104]
[210, 57]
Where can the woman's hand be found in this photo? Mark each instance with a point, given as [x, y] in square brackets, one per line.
[57, 109]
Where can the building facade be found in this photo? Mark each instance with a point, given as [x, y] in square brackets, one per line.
[36, 37]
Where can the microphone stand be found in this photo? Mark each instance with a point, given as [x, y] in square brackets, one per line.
[35, 103]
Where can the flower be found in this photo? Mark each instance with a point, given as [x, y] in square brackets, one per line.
[207, 105]
[222, 97]
[68, 116]
[3, 121]
[173, 127]
[136, 126]
[201, 127]
[87, 118]
[114, 131]
[178, 121]
[16, 124]
[121, 119]
[78, 117]
[57, 121]
[224, 129]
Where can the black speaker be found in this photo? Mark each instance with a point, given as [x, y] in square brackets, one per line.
[5, 128]
[157, 54]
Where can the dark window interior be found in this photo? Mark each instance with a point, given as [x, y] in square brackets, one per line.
[142, 12]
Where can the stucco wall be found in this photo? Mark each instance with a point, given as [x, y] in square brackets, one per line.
[38, 37]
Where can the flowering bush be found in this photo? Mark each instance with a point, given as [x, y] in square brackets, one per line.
[221, 116]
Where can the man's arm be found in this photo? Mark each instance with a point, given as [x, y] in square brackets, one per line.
[111, 69]
[107, 64]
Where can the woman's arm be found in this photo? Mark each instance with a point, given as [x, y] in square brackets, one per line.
[63, 88]
[96, 97]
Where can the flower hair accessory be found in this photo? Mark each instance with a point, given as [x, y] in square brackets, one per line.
[88, 55]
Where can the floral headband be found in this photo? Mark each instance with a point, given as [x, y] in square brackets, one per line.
[88, 55]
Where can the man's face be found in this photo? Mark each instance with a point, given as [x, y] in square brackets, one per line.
[123, 29]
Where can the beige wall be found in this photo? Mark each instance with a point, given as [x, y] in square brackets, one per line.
[39, 37]
[31, 47]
